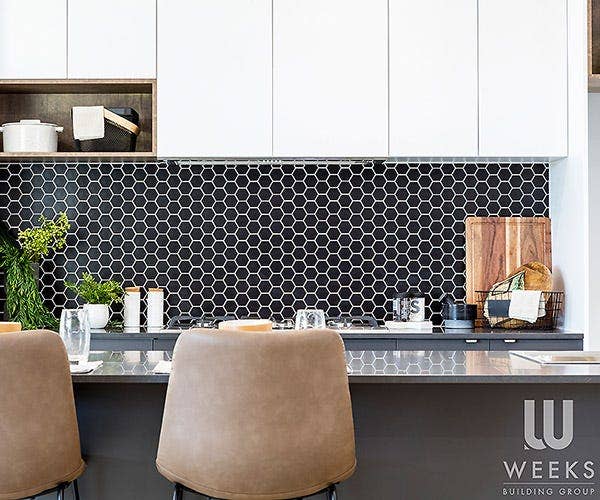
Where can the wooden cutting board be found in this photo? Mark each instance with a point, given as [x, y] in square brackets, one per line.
[496, 246]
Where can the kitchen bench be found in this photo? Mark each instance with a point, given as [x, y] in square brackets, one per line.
[429, 425]
[380, 339]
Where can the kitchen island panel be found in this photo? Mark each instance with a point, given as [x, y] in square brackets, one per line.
[417, 441]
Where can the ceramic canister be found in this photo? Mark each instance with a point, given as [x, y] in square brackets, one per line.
[131, 306]
[156, 308]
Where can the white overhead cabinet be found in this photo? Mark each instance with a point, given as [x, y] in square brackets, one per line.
[214, 78]
[523, 78]
[433, 77]
[112, 38]
[33, 39]
[330, 78]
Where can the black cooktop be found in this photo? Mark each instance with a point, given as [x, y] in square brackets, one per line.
[185, 321]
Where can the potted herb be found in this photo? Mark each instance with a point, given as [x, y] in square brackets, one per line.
[98, 295]
[19, 259]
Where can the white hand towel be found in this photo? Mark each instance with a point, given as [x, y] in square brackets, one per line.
[525, 305]
[88, 122]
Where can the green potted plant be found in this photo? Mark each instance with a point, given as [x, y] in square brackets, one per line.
[37, 242]
[98, 296]
[19, 259]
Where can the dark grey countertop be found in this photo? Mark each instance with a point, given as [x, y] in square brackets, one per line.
[438, 333]
[409, 367]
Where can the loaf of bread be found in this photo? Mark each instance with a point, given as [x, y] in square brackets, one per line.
[537, 276]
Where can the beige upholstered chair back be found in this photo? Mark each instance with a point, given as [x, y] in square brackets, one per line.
[255, 415]
[39, 438]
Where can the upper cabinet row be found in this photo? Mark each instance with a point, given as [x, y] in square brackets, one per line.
[317, 78]
[58, 39]
[366, 78]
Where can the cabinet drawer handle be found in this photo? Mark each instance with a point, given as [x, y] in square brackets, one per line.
[510, 341]
[471, 341]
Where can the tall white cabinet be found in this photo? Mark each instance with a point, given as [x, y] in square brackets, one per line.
[214, 78]
[33, 39]
[433, 77]
[330, 78]
[112, 39]
[523, 78]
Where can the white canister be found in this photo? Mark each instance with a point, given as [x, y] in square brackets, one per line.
[30, 136]
[131, 306]
[156, 307]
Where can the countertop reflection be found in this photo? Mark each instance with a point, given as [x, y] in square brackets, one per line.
[449, 367]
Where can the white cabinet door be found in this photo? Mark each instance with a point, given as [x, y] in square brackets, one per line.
[214, 78]
[330, 78]
[33, 39]
[522, 78]
[112, 38]
[433, 77]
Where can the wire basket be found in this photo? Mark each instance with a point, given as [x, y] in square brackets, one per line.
[551, 304]
[120, 132]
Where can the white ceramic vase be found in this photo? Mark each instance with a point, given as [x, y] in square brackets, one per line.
[98, 315]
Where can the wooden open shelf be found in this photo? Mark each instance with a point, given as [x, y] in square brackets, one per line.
[51, 101]
[594, 45]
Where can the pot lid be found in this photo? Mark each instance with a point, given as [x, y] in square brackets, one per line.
[30, 122]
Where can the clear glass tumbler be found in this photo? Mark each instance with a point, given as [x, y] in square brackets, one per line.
[310, 318]
[75, 333]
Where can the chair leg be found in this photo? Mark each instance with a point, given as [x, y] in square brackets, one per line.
[60, 493]
[178, 492]
[76, 489]
[331, 493]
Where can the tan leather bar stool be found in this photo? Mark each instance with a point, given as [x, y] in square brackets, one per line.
[39, 437]
[256, 415]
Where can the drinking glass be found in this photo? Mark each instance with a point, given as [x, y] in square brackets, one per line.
[310, 318]
[75, 333]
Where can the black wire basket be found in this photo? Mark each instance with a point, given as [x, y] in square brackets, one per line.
[121, 129]
[492, 311]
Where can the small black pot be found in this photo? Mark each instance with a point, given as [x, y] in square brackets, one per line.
[458, 315]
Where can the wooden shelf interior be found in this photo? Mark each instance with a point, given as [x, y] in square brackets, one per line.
[51, 101]
[594, 45]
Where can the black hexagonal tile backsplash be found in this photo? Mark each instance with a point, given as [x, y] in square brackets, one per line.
[269, 238]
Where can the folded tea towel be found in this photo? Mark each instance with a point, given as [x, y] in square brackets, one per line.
[88, 122]
[526, 305]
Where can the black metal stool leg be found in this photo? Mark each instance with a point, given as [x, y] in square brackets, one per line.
[76, 489]
[60, 493]
[178, 492]
[331, 493]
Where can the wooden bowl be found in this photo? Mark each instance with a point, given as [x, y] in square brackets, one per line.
[9, 326]
[247, 325]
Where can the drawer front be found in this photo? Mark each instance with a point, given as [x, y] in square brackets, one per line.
[164, 344]
[370, 345]
[443, 344]
[512, 344]
[121, 344]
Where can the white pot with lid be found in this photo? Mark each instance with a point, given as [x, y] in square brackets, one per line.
[30, 136]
